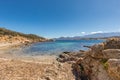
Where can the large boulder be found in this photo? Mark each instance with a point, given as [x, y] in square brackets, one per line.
[69, 56]
[111, 53]
[114, 68]
[89, 68]
[96, 51]
[101, 62]
[112, 43]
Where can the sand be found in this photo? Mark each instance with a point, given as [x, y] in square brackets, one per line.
[25, 67]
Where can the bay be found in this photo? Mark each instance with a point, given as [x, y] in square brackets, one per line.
[59, 46]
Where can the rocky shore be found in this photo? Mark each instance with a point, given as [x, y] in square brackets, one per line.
[24, 67]
[100, 62]
[9, 38]
[17, 41]
[34, 68]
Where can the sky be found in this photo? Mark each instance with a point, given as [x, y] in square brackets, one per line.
[57, 18]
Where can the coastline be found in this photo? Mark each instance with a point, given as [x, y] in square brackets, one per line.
[24, 67]
[100, 62]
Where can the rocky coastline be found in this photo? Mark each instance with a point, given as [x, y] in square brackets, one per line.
[9, 38]
[22, 67]
[100, 62]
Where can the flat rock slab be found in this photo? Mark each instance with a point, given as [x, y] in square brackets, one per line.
[111, 54]
[114, 68]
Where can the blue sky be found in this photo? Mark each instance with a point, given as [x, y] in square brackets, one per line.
[56, 18]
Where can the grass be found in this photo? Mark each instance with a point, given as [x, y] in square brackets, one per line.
[104, 63]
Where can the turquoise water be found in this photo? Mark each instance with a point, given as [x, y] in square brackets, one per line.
[59, 46]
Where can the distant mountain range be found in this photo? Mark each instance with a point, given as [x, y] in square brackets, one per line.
[92, 36]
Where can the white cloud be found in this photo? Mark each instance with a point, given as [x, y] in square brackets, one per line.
[83, 33]
[96, 32]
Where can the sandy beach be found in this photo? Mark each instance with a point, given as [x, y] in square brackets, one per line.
[21, 67]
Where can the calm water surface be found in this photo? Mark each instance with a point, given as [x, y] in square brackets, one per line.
[59, 46]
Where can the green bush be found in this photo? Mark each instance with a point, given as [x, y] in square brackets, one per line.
[104, 63]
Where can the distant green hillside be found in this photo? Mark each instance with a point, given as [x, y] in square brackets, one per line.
[6, 32]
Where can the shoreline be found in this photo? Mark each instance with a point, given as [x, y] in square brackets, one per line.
[96, 63]
[24, 67]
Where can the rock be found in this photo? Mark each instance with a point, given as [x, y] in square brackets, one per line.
[96, 51]
[111, 53]
[66, 52]
[66, 57]
[90, 68]
[114, 68]
[71, 56]
[112, 43]
[100, 62]
[81, 50]
[48, 78]
[87, 46]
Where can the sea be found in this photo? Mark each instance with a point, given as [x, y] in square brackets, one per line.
[58, 46]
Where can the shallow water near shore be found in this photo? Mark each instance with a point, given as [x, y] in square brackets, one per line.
[58, 46]
[51, 48]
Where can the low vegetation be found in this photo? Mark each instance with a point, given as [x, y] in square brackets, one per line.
[10, 33]
[104, 63]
